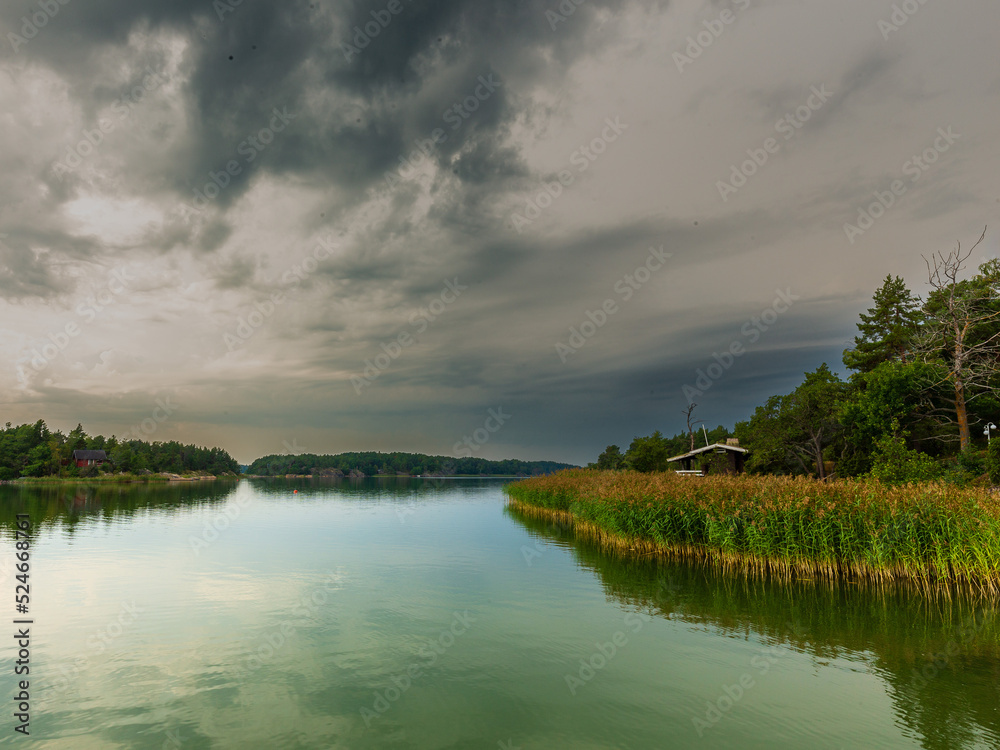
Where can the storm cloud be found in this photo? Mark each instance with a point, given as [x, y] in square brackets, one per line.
[251, 206]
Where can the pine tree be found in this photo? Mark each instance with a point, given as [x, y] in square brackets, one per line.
[887, 331]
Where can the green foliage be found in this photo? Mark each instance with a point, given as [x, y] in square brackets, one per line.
[931, 533]
[649, 453]
[372, 463]
[972, 461]
[31, 450]
[961, 335]
[993, 462]
[888, 330]
[792, 434]
[890, 392]
[894, 463]
[611, 459]
[931, 367]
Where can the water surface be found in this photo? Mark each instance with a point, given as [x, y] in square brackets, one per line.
[423, 614]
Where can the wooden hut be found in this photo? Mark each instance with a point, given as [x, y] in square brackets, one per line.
[89, 458]
[712, 459]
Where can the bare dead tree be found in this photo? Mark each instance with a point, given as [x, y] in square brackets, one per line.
[953, 335]
[688, 413]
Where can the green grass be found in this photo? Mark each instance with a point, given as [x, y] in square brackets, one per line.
[929, 533]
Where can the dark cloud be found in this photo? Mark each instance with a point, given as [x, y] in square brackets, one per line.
[411, 144]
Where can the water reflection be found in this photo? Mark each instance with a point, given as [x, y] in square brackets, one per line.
[939, 657]
[67, 504]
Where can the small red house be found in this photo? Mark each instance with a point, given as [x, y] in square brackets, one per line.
[89, 458]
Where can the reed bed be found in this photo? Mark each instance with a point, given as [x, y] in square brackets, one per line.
[931, 534]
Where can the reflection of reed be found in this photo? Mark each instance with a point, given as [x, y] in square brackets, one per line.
[938, 655]
[933, 536]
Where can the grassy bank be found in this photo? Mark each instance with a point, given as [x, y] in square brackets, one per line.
[931, 534]
[111, 479]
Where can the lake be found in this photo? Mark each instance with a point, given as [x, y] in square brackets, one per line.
[399, 613]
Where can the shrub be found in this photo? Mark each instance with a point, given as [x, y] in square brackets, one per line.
[894, 463]
[993, 461]
[973, 461]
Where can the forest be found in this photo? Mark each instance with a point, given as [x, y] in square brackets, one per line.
[411, 464]
[917, 405]
[32, 450]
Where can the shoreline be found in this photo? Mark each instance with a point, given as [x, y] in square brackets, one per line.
[381, 476]
[159, 478]
[743, 564]
[874, 538]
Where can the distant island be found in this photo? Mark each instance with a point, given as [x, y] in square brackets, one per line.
[372, 464]
[33, 452]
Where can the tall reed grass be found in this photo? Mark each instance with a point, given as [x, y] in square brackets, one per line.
[931, 534]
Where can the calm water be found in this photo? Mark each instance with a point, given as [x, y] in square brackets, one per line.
[410, 614]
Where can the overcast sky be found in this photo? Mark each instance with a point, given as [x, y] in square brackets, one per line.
[329, 226]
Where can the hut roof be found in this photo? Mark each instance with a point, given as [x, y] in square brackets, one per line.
[90, 456]
[717, 447]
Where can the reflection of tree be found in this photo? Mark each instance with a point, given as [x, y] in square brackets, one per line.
[897, 631]
[68, 504]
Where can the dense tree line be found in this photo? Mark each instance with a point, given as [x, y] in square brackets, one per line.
[32, 450]
[650, 453]
[924, 383]
[411, 464]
